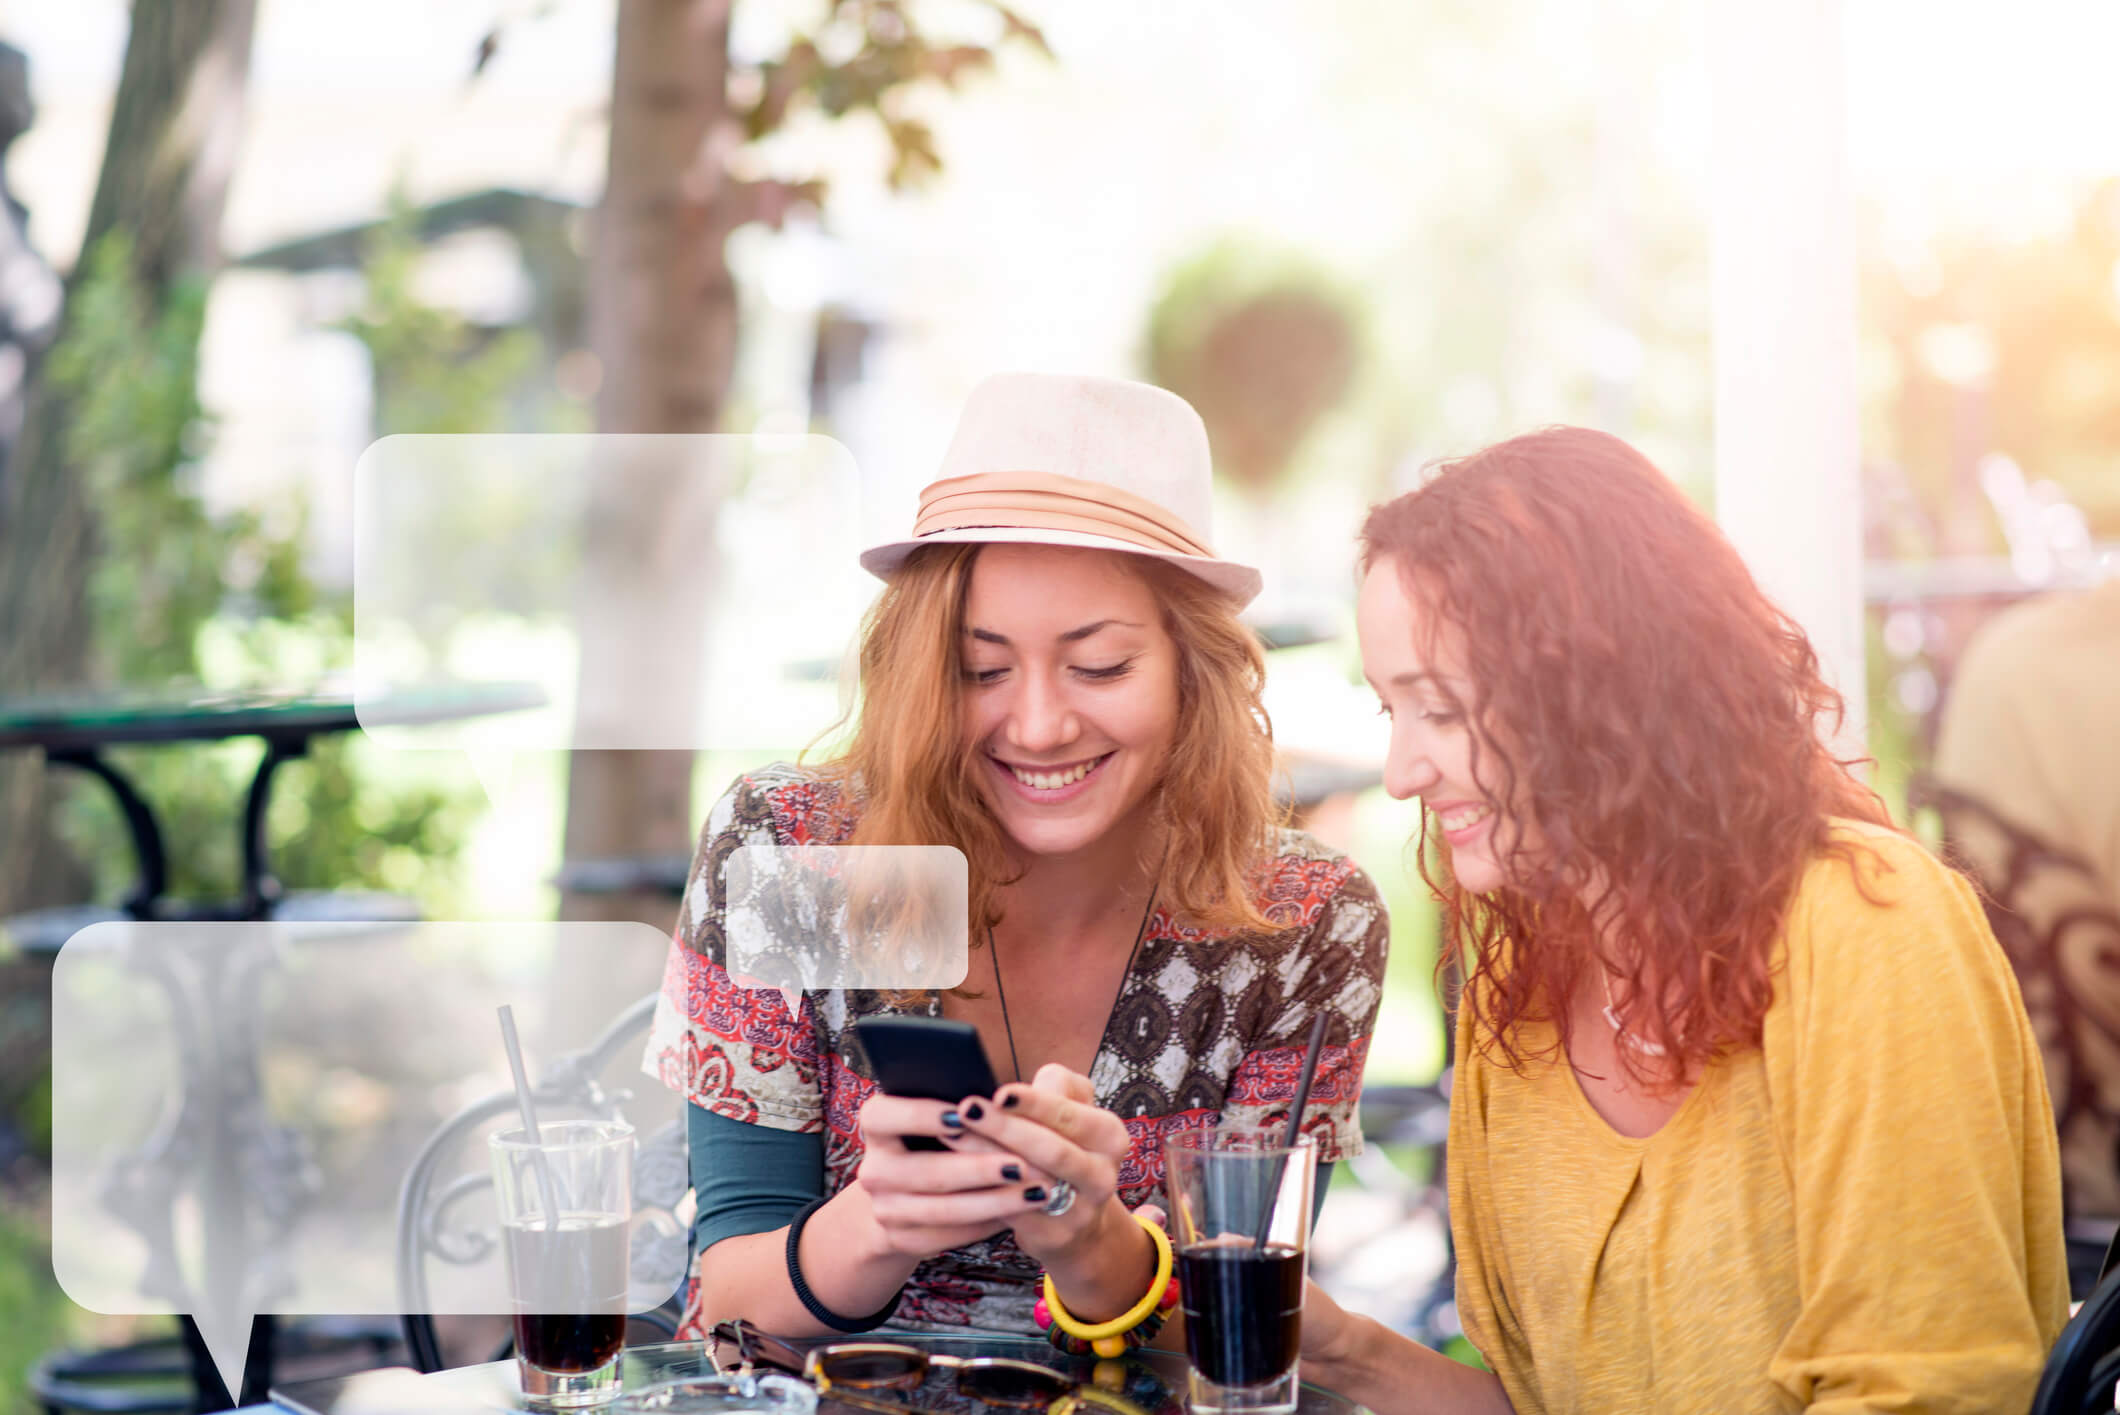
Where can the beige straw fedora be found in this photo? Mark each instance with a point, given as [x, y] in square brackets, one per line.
[1053, 459]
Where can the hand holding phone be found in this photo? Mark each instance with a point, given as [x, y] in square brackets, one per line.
[924, 1204]
[925, 1058]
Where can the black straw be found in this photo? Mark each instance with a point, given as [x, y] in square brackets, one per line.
[1295, 1124]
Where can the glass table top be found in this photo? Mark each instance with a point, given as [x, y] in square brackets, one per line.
[97, 719]
[1150, 1382]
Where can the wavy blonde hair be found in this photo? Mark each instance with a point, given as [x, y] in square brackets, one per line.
[917, 780]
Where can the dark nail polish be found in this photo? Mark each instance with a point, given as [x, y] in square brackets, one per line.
[1012, 1173]
[952, 1120]
[1035, 1194]
[1008, 1102]
[975, 1111]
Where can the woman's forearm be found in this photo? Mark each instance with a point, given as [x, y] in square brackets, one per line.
[845, 1263]
[1364, 1360]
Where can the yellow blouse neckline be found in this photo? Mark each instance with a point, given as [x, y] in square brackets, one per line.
[1603, 1128]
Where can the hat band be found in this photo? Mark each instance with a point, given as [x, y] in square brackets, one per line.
[1047, 501]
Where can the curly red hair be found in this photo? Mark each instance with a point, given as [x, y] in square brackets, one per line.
[1649, 712]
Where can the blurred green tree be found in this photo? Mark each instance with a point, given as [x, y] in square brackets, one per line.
[174, 129]
[433, 372]
[166, 571]
[153, 227]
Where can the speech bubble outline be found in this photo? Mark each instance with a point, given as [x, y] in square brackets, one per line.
[157, 1199]
[724, 623]
[802, 918]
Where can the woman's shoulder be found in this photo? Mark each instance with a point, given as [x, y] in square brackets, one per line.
[1875, 909]
[1863, 864]
[1302, 874]
[1295, 853]
[801, 805]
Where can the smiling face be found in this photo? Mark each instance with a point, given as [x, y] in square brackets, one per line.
[1432, 745]
[1071, 694]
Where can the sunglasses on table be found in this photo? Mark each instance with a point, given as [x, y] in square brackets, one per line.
[853, 1372]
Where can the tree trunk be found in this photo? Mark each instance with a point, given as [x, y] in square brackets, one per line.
[662, 322]
[174, 134]
[174, 131]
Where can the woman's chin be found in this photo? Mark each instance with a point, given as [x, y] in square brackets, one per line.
[1053, 837]
[1475, 874]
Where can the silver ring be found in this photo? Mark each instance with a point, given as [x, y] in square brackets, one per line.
[1062, 1200]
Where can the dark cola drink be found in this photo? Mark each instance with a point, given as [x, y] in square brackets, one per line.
[1243, 1310]
[568, 1344]
[570, 1292]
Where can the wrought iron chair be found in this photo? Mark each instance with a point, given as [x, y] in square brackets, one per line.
[2054, 917]
[2084, 1366]
[445, 1206]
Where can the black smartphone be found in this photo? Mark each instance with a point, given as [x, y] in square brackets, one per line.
[925, 1059]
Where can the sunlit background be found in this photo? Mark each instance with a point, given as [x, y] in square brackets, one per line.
[1442, 223]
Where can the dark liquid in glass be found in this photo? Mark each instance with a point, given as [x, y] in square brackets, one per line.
[1243, 1311]
[568, 1344]
[570, 1293]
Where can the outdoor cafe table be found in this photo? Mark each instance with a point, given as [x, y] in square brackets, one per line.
[75, 730]
[1156, 1378]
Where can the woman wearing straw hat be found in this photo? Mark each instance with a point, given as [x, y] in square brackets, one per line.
[1056, 683]
[1747, 1113]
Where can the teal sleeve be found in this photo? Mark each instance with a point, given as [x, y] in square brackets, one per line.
[748, 1178]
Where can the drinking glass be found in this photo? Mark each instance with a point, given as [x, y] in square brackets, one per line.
[565, 1206]
[1243, 1299]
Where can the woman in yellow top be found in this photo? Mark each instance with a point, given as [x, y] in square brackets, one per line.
[1747, 1115]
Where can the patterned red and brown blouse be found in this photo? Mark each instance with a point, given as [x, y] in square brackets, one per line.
[1208, 1027]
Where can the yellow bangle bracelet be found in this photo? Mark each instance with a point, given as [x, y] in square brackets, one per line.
[1133, 1316]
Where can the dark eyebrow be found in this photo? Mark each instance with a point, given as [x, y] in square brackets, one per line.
[988, 636]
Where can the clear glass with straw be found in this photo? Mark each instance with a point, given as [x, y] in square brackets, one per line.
[1240, 1209]
[564, 1191]
[1243, 1299]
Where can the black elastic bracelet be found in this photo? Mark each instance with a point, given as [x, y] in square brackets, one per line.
[808, 1298]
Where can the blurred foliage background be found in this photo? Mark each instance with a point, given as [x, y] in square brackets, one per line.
[223, 601]
[1358, 239]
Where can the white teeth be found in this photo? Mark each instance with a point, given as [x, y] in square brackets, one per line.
[1464, 817]
[1054, 780]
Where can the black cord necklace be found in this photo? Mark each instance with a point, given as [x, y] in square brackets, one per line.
[1002, 992]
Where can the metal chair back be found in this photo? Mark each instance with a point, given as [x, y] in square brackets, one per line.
[2084, 1366]
[447, 1223]
[2057, 922]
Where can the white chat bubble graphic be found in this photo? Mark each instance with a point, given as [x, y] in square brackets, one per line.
[293, 1118]
[882, 917]
[659, 592]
